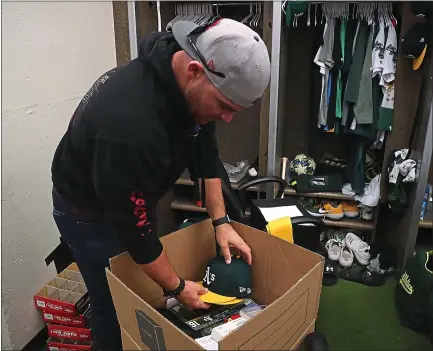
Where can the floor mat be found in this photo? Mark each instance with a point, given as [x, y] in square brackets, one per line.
[357, 317]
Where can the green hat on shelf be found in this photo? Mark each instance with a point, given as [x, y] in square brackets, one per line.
[293, 9]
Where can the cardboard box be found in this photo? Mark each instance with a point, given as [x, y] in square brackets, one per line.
[286, 277]
[66, 294]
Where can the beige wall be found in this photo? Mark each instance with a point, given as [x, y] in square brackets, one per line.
[51, 54]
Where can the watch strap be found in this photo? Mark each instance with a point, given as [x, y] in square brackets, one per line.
[222, 220]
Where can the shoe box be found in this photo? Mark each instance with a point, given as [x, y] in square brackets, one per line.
[65, 308]
[286, 278]
[65, 294]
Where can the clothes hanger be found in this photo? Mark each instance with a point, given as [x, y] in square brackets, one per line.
[315, 15]
[246, 19]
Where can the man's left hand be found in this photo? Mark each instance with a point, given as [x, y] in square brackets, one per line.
[227, 237]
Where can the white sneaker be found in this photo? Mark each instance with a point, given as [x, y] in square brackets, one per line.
[360, 248]
[346, 257]
[334, 248]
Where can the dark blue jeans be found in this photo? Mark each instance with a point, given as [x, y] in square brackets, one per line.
[93, 244]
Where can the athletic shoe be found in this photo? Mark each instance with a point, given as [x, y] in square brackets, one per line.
[337, 235]
[334, 249]
[367, 213]
[333, 210]
[346, 257]
[315, 210]
[363, 276]
[350, 209]
[360, 248]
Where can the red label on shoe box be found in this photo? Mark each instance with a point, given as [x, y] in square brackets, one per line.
[79, 321]
[50, 317]
[70, 333]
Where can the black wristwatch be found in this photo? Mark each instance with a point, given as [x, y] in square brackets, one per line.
[219, 221]
[176, 291]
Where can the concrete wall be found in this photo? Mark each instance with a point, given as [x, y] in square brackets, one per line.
[52, 52]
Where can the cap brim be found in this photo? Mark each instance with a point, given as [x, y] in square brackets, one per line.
[416, 64]
[216, 299]
[180, 30]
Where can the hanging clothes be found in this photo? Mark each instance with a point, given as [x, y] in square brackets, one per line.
[325, 61]
[387, 106]
[353, 81]
[378, 53]
[363, 109]
[333, 76]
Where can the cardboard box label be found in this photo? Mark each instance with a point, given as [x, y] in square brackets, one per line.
[152, 335]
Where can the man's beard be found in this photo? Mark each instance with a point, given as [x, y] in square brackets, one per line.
[194, 108]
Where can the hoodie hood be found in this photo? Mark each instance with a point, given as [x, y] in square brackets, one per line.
[157, 50]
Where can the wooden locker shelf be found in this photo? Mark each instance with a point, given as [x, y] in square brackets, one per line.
[187, 181]
[186, 205]
[357, 224]
[324, 195]
[428, 220]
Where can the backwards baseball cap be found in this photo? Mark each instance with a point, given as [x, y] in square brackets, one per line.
[235, 58]
[414, 44]
[226, 283]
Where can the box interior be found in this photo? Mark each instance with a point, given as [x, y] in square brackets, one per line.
[286, 277]
[67, 286]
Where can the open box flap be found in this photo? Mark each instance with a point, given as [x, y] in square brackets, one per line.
[148, 328]
[189, 250]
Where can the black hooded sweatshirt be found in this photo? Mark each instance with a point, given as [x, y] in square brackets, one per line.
[128, 141]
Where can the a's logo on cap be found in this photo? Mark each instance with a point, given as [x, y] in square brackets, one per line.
[209, 277]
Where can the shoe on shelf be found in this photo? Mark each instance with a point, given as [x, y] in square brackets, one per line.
[333, 210]
[360, 249]
[337, 235]
[346, 257]
[350, 209]
[334, 249]
[315, 210]
[367, 213]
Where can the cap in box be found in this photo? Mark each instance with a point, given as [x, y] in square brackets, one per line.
[227, 283]
[414, 44]
[235, 58]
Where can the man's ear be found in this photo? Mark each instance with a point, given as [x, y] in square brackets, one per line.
[195, 69]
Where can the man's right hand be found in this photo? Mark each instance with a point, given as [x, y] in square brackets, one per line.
[190, 296]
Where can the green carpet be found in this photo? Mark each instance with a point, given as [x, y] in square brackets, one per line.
[353, 316]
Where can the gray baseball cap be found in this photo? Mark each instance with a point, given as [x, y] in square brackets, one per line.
[236, 58]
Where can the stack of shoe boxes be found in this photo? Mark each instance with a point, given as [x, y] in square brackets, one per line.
[64, 304]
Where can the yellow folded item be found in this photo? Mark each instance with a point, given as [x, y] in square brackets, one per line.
[281, 228]
[216, 299]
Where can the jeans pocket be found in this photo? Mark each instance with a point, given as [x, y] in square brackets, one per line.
[102, 243]
[67, 227]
